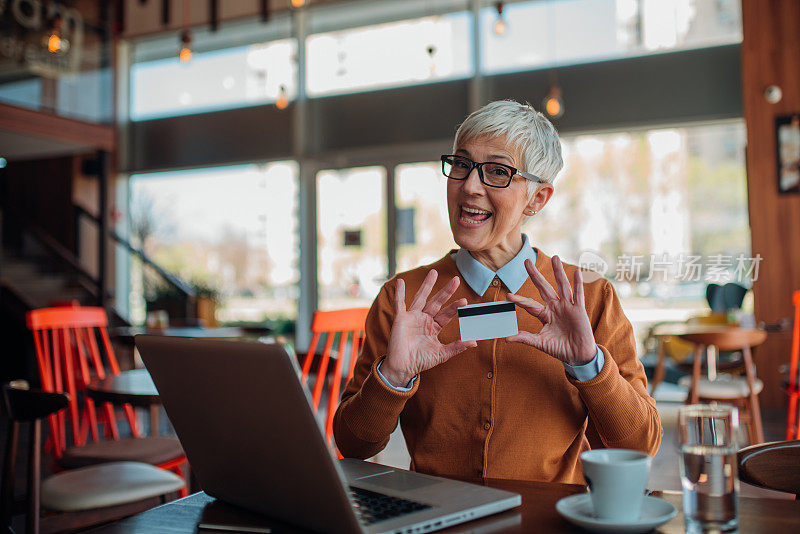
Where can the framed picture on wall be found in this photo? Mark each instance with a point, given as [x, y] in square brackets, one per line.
[787, 128]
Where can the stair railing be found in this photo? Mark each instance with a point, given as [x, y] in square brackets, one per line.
[186, 292]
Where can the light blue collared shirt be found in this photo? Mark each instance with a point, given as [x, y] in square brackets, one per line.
[513, 275]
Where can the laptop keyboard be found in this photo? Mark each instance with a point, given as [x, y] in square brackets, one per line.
[372, 507]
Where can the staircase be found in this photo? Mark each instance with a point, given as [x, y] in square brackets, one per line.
[37, 283]
[42, 272]
[35, 276]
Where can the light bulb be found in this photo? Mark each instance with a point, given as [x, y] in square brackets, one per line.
[54, 43]
[500, 27]
[283, 101]
[185, 55]
[298, 3]
[553, 106]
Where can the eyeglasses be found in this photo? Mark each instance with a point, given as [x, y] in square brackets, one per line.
[490, 173]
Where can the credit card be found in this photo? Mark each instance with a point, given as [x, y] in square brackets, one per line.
[487, 320]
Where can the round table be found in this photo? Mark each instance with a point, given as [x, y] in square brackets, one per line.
[134, 387]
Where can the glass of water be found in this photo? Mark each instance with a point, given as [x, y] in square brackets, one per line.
[707, 440]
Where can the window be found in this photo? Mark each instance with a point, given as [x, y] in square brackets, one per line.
[561, 32]
[632, 198]
[351, 236]
[233, 229]
[389, 55]
[25, 93]
[423, 226]
[73, 79]
[220, 79]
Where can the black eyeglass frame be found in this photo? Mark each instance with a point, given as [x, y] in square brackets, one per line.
[473, 164]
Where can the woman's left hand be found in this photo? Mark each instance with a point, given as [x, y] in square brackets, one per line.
[566, 333]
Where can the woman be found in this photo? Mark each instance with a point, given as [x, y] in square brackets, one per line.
[523, 407]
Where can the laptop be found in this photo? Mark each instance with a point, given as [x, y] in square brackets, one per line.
[246, 424]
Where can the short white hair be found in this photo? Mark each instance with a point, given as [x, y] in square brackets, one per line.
[527, 129]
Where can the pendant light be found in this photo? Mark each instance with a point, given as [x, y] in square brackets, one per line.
[54, 41]
[553, 103]
[283, 100]
[298, 3]
[185, 55]
[500, 25]
[432, 55]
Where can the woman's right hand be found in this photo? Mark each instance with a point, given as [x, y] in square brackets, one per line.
[414, 344]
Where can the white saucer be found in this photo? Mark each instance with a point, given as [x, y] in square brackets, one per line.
[578, 509]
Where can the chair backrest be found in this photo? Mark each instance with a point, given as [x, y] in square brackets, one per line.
[733, 296]
[792, 423]
[774, 466]
[25, 405]
[69, 357]
[725, 298]
[344, 324]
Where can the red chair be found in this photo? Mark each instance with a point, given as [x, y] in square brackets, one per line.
[69, 357]
[346, 324]
[793, 422]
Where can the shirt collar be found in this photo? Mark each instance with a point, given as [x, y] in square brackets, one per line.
[512, 274]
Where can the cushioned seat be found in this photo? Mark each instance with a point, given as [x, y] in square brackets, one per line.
[724, 387]
[153, 450]
[107, 484]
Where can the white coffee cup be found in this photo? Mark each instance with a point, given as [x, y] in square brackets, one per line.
[616, 480]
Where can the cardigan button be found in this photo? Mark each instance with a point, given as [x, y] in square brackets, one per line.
[487, 426]
[495, 282]
[489, 375]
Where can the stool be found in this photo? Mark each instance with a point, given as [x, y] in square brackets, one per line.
[737, 390]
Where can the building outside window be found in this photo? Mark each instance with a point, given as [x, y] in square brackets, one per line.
[351, 236]
[214, 80]
[537, 34]
[421, 192]
[230, 229]
[389, 55]
[665, 210]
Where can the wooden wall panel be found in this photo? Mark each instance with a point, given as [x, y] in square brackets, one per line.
[771, 55]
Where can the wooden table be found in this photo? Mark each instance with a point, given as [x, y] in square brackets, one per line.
[129, 387]
[681, 330]
[134, 387]
[537, 514]
[126, 334]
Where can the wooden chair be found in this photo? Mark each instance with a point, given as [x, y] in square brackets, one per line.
[792, 386]
[737, 390]
[344, 324]
[774, 466]
[73, 499]
[725, 298]
[69, 357]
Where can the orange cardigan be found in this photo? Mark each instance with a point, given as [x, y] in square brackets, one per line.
[501, 410]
